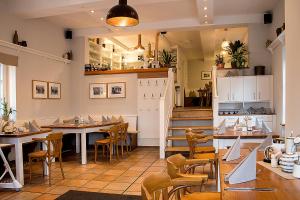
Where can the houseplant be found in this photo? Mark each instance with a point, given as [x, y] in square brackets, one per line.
[237, 52]
[220, 61]
[6, 110]
[167, 58]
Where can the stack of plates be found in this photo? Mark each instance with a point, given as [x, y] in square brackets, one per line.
[287, 162]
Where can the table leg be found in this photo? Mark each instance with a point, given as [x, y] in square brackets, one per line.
[19, 162]
[77, 142]
[46, 169]
[83, 148]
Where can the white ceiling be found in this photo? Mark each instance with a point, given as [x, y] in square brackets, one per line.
[154, 14]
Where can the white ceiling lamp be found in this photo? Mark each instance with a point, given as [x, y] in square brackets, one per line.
[139, 46]
[225, 42]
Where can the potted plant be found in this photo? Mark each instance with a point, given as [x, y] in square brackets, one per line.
[220, 61]
[167, 58]
[238, 52]
[6, 110]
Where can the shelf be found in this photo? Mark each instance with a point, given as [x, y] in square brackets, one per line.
[142, 73]
[33, 51]
[279, 40]
[233, 68]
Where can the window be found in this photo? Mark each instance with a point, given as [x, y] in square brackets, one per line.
[8, 86]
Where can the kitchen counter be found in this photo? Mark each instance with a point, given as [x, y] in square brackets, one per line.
[246, 114]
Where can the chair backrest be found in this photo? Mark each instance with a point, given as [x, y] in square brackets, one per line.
[54, 144]
[114, 132]
[123, 130]
[155, 187]
[175, 165]
[192, 140]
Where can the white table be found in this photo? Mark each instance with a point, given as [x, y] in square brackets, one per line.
[18, 140]
[81, 131]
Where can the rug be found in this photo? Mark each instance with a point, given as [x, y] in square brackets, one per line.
[79, 195]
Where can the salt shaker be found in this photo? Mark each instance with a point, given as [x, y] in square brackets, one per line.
[274, 161]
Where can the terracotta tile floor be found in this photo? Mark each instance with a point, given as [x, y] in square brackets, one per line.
[120, 177]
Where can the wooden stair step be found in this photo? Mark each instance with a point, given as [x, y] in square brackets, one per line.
[192, 127]
[191, 118]
[180, 137]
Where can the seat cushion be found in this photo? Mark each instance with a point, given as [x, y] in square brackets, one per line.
[210, 156]
[103, 141]
[208, 149]
[37, 154]
[202, 196]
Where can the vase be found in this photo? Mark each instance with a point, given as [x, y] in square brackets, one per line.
[16, 38]
[5, 118]
[233, 65]
[220, 65]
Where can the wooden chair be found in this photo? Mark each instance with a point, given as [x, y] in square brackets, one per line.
[155, 187]
[53, 143]
[109, 143]
[196, 152]
[124, 137]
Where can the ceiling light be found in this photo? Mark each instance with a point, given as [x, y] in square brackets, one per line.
[225, 44]
[205, 16]
[102, 18]
[92, 11]
[122, 15]
[139, 47]
[205, 8]
[205, 22]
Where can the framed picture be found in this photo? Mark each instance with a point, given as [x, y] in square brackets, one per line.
[116, 90]
[54, 90]
[39, 89]
[98, 91]
[206, 75]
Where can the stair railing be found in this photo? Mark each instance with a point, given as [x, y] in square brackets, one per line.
[166, 104]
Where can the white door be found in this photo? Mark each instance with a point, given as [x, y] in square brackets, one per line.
[250, 88]
[224, 89]
[237, 88]
[264, 88]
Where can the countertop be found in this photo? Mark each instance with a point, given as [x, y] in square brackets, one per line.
[231, 134]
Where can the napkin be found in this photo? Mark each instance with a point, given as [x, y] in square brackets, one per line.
[91, 120]
[265, 128]
[234, 152]
[56, 121]
[33, 127]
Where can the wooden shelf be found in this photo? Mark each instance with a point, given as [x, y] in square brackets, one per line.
[142, 73]
[233, 68]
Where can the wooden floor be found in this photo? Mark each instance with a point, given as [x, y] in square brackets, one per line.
[119, 177]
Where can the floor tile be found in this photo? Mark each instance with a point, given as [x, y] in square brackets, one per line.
[96, 184]
[61, 190]
[47, 197]
[117, 186]
[89, 176]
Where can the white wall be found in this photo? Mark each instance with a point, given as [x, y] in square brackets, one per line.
[278, 19]
[81, 102]
[292, 42]
[195, 67]
[43, 36]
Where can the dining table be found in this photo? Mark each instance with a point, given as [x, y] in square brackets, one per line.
[81, 131]
[17, 140]
[268, 185]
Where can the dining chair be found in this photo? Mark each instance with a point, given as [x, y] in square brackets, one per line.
[196, 152]
[124, 137]
[53, 142]
[156, 187]
[109, 143]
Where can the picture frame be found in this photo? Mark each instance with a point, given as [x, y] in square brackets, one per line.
[206, 75]
[39, 89]
[116, 90]
[54, 90]
[98, 90]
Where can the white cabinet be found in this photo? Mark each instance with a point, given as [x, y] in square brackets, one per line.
[245, 89]
[264, 88]
[224, 89]
[249, 88]
[237, 88]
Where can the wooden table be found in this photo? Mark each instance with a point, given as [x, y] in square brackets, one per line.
[283, 189]
[18, 139]
[221, 141]
[80, 130]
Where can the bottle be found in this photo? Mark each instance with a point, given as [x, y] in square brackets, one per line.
[16, 38]
[274, 161]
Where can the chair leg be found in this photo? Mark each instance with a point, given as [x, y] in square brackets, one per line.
[30, 170]
[96, 152]
[61, 168]
[110, 152]
[49, 169]
[122, 145]
[117, 151]
[42, 162]
[103, 151]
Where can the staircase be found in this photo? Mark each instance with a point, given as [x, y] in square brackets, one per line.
[183, 118]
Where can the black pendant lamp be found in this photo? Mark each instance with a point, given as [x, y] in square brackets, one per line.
[122, 15]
